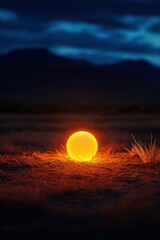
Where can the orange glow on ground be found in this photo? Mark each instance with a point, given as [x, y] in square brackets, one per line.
[82, 146]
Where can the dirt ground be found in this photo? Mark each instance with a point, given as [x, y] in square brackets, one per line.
[60, 199]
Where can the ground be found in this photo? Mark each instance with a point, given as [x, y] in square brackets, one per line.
[45, 195]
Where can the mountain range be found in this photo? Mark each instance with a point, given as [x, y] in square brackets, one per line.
[36, 75]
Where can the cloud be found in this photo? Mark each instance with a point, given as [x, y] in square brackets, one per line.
[123, 23]
[73, 27]
[108, 44]
[94, 56]
[155, 28]
[81, 39]
[101, 57]
[7, 15]
[96, 37]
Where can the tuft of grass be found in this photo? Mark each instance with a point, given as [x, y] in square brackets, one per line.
[106, 153]
[147, 153]
[61, 153]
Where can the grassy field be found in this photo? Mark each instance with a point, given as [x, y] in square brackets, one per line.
[45, 195]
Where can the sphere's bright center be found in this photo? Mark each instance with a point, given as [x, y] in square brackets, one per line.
[82, 146]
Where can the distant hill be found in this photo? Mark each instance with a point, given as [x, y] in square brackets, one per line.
[40, 57]
[37, 75]
[138, 63]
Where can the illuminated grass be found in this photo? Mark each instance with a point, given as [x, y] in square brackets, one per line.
[147, 153]
[104, 154]
[12, 154]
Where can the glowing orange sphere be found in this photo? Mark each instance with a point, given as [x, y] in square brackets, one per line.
[82, 146]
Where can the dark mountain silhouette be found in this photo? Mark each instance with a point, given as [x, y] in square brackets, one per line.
[38, 57]
[130, 64]
[38, 75]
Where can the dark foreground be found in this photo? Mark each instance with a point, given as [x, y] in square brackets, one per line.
[60, 199]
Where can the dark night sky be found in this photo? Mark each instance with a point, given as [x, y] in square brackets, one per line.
[100, 31]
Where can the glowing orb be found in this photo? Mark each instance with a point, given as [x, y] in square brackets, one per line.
[82, 146]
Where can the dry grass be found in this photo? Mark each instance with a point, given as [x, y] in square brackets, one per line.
[104, 154]
[13, 154]
[148, 153]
